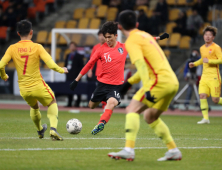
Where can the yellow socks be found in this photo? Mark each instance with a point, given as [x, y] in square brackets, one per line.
[132, 126]
[52, 114]
[220, 101]
[162, 131]
[36, 118]
[204, 108]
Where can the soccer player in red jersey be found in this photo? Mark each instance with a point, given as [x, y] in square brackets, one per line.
[112, 55]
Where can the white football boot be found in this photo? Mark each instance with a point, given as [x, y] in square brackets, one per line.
[169, 156]
[123, 154]
[203, 121]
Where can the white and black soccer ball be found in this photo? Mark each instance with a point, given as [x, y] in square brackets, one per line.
[74, 126]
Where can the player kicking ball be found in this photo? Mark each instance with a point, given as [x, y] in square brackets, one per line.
[26, 55]
[160, 84]
[112, 55]
[210, 83]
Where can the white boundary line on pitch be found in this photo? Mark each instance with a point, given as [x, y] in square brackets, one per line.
[21, 138]
[55, 149]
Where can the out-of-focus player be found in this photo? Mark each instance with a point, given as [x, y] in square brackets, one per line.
[98, 63]
[160, 84]
[210, 83]
[26, 55]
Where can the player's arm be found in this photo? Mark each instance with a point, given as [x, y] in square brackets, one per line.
[136, 56]
[44, 55]
[5, 59]
[90, 73]
[219, 57]
[198, 62]
[85, 69]
[163, 36]
[3, 75]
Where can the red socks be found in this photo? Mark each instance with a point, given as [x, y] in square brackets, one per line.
[103, 104]
[105, 116]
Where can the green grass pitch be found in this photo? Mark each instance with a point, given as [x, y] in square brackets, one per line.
[201, 145]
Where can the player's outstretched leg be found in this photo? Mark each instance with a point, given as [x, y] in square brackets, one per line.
[132, 126]
[131, 129]
[111, 103]
[52, 114]
[162, 131]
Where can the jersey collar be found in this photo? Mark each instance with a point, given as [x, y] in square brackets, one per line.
[133, 31]
[25, 41]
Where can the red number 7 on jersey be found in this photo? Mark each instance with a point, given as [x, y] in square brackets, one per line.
[26, 61]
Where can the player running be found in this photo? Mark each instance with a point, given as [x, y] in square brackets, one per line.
[112, 55]
[26, 55]
[210, 83]
[160, 84]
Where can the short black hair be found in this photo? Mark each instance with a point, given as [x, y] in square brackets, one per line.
[72, 42]
[99, 32]
[127, 19]
[110, 27]
[24, 27]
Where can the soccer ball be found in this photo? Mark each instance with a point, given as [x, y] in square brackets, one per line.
[74, 126]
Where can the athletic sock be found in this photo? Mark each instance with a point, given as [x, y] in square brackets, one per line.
[105, 116]
[220, 101]
[132, 126]
[162, 131]
[36, 118]
[52, 114]
[204, 108]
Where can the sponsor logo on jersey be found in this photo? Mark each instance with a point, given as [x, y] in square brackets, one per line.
[120, 50]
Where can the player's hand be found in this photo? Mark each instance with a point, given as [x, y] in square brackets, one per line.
[191, 65]
[164, 35]
[65, 70]
[90, 73]
[149, 97]
[7, 77]
[124, 88]
[205, 60]
[73, 85]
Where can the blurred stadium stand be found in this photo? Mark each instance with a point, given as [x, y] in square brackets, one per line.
[91, 14]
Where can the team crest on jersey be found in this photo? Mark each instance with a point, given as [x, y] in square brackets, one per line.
[210, 51]
[120, 50]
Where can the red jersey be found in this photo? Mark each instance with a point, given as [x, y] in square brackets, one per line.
[113, 62]
[98, 64]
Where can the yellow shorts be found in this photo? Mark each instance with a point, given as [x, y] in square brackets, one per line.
[161, 93]
[44, 95]
[210, 87]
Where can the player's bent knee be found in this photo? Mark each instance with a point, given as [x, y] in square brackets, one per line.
[112, 102]
[52, 102]
[216, 100]
[91, 106]
[151, 115]
[36, 106]
[203, 96]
